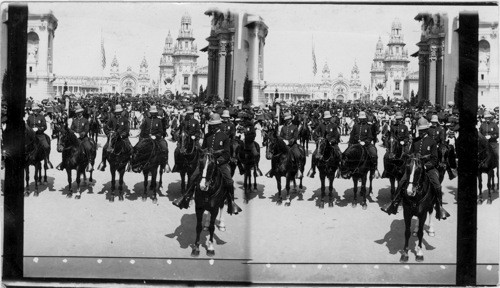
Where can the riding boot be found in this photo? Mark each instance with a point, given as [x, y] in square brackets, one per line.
[102, 165]
[312, 171]
[452, 173]
[392, 208]
[48, 163]
[299, 173]
[183, 201]
[60, 167]
[232, 207]
[240, 167]
[90, 167]
[441, 213]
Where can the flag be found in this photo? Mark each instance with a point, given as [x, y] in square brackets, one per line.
[103, 55]
[315, 67]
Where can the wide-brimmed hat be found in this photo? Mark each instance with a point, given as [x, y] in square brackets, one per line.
[118, 108]
[422, 124]
[451, 103]
[434, 118]
[399, 115]
[327, 115]
[189, 110]
[35, 106]
[362, 115]
[214, 119]
[153, 109]
[240, 99]
[287, 116]
[78, 108]
[225, 114]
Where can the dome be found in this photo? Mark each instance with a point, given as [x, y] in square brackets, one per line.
[144, 63]
[380, 45]
[186, 19]
[169, 40]
[325, 68]
[355, 68]
[396, 24]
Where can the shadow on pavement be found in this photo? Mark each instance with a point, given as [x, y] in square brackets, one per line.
[185, 233]
[394, 240]
[251, 194]
[317, 196]
[174, 190]
[384, 196]
[347, 199]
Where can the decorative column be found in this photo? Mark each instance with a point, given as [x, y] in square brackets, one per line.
[213, 56]
[433, 72]
[254, 64]
[229, 70]
[440, 74]
[222, 69]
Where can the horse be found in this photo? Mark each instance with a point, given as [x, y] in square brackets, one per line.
[34, 154]
[118, 156]
[94, 127]
[189, 155]
[394, 161]
[443, 164]
[355, 163]
[283, 164]
[148, 158]
[328, 163]
[249, 163]
[209, 196]
[417, 201]
[74, 157]
[487, 163]
[305, 136]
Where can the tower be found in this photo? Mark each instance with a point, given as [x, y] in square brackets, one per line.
[143, 79]
[355, 88]
[325, 76]
[395, 61]
[39, 75]
[377, 83]
[166, 84]
[114, 69]
[184, 57]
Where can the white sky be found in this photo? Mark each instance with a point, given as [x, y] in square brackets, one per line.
[341, 33]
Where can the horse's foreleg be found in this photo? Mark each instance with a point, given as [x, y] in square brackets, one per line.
[255, 178]
[153, 185]
[420, 234]
[38, 176]
[355, 192]
[27, 178]
[330, 194]
[480, 190]
[393, 188]
[211, 229]
[370, 189]
[199, 227]
[404, 254]
[120, 184]
[78, 188]
[491, 185]
[363, 191]
[322, 195]
[278, 183]
[287, 188]
[113, 180]
[222, 225]
[145, 190]
[70, 190]
[183, 182]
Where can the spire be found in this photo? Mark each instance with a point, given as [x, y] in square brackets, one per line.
[355, 67]
[186, 19]
[380, 45]
[144, 63]
[114, 62]
[169, 40]
[396, 24]
[326, 69]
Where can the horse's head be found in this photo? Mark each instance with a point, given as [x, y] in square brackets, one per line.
[185, 142]
[113, 139]
[393, 146]
[415, 171]
[322, 145]
[65, 139]
[208, 165]
[271, 146]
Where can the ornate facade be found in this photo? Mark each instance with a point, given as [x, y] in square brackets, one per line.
[390, 68]
[338, 89]
[178, 68]
[235, 53]
[39, 75]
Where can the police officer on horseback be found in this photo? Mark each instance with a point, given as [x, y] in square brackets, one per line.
[328, 130]
[191, 126]
[362, 133]
[36, 121]
[80, 127]
[152, 127]
[489, 130]
[400, 131]
[120, 125]
[215, 140]
[425, 148]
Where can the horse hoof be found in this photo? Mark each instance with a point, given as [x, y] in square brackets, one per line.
[287, 204]
[26, 194]
[489, 201]
[222, 228]
[144, 198]
[414, 234]
[364, 206]
[120, 198]
[78, 197]
[195, 252]
[279, 202]
[45, 182]
[404, 258]
[431, 234]
[155, 201]
[479, 201]
[69, 195]
[36, 194]
[321, 205]
[112, 199]
[354, 205]
[210, 253]
[419, 258]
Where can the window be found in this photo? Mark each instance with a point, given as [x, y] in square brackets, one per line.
[30, 86]
[397, 50]
[482, 76]
[186, 45]
[113, 89]
[397, 85]
[143, 89]
[31, 68]
[186, 78]
[482, 93]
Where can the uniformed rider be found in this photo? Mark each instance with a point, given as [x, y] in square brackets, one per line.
[489, 130]
[36, 121]
[152, 127]
[217, 141]
[400, 131]
[361, 133]
[425, 148]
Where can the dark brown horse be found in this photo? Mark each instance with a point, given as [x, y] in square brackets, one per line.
[118, 155]
[74, 157]
[34, 154]
[394, 162]
[187, 158]
[487, 164]
[249, 164]
[283, 165]
[328, 163]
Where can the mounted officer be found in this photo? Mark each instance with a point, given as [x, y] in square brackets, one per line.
[426, 148]
[214, 140]
[36, 121]
[191, 126]
[152, 127]
[489, 130]
[362, 133]
[120, 125]
[290, 133]
[80, 127]
[328, 130]
[400, 131]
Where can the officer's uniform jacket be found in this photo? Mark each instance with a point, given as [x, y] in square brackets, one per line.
[80, 125]
[489, 129]
[120, 125]
[400, 131]
[329, 131]
[218, 140]
[38, 122]
[426, 146]
[290, 132]
[191, 126]
[151, 126]
[249, 131]
[438, 134]
[361, 132]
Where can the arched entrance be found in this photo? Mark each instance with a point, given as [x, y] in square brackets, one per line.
[128, 92]
[340, 98]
